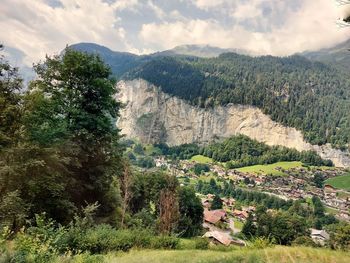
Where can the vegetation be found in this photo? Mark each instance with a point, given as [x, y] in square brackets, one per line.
[241, 151]
[306, 95]
[340, 182]
[271, 169]
[201, 159]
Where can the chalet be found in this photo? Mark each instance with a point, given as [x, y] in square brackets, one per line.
[229, 202]
[242, 215]
[218, 237]
[319, 236]
[329, 189]
[206, 203]
[214, 216]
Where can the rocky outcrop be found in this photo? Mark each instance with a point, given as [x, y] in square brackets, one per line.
[153, 116]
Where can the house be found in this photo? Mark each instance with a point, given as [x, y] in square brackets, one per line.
[329, 189]
[214, 216]
[223, 238]
[206, 203]
[242, 215]
[217, 237]
[319, 236]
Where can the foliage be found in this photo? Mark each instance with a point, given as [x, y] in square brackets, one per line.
[191, 213]
[240, 151]
[306, 95]
[341, 182]
[200, 168]
[281, 226]
[216, 203]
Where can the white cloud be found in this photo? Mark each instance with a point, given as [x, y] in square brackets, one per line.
[310, 27]
[125, 4]
[207, 4]
[38, 29]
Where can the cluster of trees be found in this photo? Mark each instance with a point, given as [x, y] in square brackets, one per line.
[182, 152]
[294, 91]
[241, 195]
[240, 151]
[291, 225]
[58, 147]
[60, 151]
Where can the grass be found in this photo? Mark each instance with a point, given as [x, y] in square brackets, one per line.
[238, 224]
[201, 159]
[340, 182]
[331, 210]
[275, 254]
[270, 168]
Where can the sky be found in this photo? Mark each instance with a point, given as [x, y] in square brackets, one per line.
[30, 29]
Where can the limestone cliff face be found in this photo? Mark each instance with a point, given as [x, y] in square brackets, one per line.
[153, 116]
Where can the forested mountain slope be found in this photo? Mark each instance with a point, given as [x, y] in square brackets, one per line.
[338, 56]
[310, 96]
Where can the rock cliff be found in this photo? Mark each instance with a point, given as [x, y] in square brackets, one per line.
[153, 116]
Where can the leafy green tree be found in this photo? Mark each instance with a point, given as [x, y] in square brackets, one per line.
[200, 168]
[340, 238]
[318, 180]
[191, 213]
[216, 203]
[74, 104]
[249, 228]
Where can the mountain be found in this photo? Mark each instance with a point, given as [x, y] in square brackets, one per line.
[296, 92]
[338, 55]
[310, 96]
[120, 62]
[154, 116]
[204, 51]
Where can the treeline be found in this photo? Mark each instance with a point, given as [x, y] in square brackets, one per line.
[310, 96]
[227, 189]
[240, 151]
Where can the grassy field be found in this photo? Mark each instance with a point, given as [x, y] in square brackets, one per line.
[341, 182]
[270, 168]
[269, 255]
[201, 159]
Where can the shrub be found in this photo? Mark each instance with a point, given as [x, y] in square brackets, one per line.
[304, 241]
[201, 243]
[261, 242]
[165, 242]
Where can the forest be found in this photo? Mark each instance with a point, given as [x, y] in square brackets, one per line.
[240, 151]
[310, 96]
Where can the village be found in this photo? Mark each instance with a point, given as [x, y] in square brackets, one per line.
[297, 183]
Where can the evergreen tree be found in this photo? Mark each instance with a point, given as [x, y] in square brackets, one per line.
[217, 203]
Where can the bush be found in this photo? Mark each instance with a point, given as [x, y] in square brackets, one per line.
[261, 242]
[201, 243]
[165, 242]
[304, 241]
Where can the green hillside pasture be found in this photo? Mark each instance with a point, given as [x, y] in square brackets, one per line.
[276, 254]
[340, 182]
[270, 168]
[201, 159]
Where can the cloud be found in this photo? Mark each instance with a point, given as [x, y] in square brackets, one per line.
[37, 28]
[271, 27]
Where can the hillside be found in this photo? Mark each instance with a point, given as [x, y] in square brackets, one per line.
[153, 116]
[294, 91]
[338, 56]
[310, 96]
